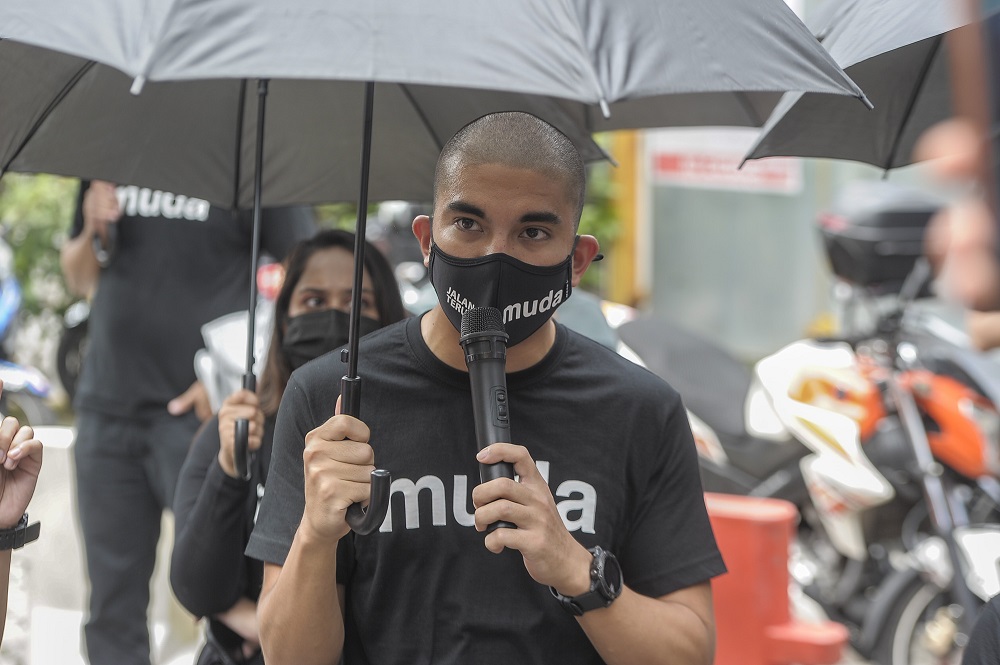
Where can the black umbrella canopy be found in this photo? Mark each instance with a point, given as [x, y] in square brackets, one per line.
[73, 117]
[895, 50]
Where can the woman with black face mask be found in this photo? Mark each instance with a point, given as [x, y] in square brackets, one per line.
[214, 509]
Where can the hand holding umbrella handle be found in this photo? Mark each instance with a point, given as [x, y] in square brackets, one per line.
[361, 520]
[105, 251]
[241, 446]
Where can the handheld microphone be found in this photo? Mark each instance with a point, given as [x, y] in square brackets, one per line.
[485, 344]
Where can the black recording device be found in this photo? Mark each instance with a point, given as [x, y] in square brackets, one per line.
[485, 344]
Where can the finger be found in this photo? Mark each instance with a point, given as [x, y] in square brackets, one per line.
[336, 410]
[318, 451]
[498, 489]
[500, 539]
[345, 492]
[243, 396]
[23, 434]
[28, 449]
[8, 429]
[524, 466]
[179, 405]
[341, 427]
[239, 412]
[503, 510]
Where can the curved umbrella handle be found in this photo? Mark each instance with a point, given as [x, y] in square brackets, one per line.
[105, 251]
[361, 520]
[242, 455]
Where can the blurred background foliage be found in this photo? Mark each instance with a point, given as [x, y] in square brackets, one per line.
[35, 216]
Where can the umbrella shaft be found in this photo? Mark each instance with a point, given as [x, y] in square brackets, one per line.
[255, 242]
[359, 233]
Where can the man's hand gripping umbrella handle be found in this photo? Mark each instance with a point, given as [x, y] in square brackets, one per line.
[361, 520]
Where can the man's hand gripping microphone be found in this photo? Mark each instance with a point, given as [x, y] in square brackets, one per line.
[485, 344]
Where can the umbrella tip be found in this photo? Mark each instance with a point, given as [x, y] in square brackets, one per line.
[137, 84]
[605, 111]
[864, 100]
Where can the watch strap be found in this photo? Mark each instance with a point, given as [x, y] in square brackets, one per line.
[599, 595]
[19, 535]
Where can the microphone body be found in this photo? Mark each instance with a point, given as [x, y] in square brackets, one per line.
[485, 344]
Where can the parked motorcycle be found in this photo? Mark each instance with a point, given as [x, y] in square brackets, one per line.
[73, 345]
[25, 388]
[886, 438]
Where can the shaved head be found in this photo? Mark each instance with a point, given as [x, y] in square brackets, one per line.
[516, 140]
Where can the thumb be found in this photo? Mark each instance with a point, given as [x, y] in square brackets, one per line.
[180, 404]
[336, 411]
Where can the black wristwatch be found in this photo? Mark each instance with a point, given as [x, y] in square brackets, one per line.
[605, 585]
[16, 537]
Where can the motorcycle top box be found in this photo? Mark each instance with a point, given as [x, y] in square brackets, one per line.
[875, 234]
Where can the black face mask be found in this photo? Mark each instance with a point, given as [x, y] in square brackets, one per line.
[311, 335]
[526, 295]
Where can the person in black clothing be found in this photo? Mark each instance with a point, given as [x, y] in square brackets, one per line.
[612, 555]
[214, 509]
[179, 263]
[984, 642]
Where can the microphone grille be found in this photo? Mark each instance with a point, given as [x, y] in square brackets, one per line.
[481, 319]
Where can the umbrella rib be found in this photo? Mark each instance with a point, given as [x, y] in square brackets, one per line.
[423, 116]
[582, 44]
[911, 102]
[56, 100]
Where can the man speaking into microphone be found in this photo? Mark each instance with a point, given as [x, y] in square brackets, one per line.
[611, 552]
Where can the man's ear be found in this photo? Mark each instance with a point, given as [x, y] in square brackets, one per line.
[422, 231]
[586, 249]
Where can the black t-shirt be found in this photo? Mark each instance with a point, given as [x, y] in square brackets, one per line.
[984, 642]
[180, 263]
[612, 440]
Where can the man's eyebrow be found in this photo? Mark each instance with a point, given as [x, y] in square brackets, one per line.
[527, 218]
[541, 216]
[467, 208]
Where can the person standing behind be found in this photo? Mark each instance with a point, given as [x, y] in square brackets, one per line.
[214, 508]
[613, 554]
[178, 263]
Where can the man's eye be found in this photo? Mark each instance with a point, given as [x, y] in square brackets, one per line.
[535, 233]
[466, 224]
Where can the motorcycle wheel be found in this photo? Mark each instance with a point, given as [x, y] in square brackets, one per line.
[28, 409]
[922, 629]
[69, 357]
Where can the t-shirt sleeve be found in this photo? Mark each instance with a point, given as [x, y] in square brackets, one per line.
[670, 544]
[283, 227]
[284, 496]
[207, 567]
[984, 641]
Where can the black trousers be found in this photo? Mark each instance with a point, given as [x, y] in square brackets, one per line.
[126, 471]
